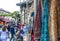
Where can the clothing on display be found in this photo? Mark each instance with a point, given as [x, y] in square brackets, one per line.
[53, 21]
[45, 16]
[37, 24]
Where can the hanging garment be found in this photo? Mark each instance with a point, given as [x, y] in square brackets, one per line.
[32, 36]
[37, 23]
[58, 17]
[53, 21]
[45, 16]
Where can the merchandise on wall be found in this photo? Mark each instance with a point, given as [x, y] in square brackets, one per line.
[58, 18]
[46, 23]
[53, 21]
[37, 23]
[45, 16]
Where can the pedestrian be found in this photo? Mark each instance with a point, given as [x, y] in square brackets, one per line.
[19, 37]
[20, 26]
[3, 34]
[12, 31]
[8, 28]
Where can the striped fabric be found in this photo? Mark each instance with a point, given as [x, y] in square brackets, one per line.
[53, 21]
[37, 23]
[45, 16]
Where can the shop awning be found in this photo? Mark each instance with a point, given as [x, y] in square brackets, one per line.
[6, 20]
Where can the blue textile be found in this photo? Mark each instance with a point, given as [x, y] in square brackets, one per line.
[44, 30]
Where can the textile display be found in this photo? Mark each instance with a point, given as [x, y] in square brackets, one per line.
[37, 23]
[58, 18]
[53, 21]
[45, 16]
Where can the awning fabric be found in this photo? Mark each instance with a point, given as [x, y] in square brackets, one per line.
[4, 19]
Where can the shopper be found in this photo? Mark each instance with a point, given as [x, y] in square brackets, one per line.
[19, 26]
[12, 30]
[4, 34]
[19, 37]
[8, 28]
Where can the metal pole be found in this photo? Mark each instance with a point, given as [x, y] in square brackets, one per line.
[24, 15]
[21, 13]
[27, 1]
[27, 4]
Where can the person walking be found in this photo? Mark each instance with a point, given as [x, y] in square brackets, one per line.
[4, 34]
[8, 28]
[12, 31]
[20, 26]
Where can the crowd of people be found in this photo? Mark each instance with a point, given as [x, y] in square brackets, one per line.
[13, 32]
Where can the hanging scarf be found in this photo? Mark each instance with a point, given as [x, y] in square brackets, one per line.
[37, 23]
[44, 29]
[53, 21]
[58, 8]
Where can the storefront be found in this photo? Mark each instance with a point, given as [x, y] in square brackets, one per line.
[3, 21]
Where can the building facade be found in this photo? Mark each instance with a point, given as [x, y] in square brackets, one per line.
[2, 11]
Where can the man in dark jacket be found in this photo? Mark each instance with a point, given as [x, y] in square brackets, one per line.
[12, 30]
[8, 28]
